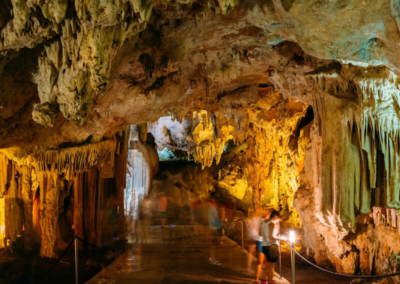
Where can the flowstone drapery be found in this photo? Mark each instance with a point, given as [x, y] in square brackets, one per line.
[142, 165]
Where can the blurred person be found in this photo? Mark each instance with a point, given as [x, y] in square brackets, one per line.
[214, 230]
[202, 220]
[143, 233]
[172, 212]
[253, 224]
[133, 229]
[162, 209]
[147, 205]
[222, 223]
[195, 212]
[270, 243]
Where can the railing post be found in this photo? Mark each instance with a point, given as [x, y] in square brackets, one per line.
[242, 235]
[76, 261]
[293, 265]
[280, 262]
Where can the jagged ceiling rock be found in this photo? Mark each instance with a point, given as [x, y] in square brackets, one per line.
[106, 64]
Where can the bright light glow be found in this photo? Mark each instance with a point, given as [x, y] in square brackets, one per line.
[292, 236]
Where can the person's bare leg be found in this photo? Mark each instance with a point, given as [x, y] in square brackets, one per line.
[260, 262]
[252, 248]
[212, 253]
[271, 267]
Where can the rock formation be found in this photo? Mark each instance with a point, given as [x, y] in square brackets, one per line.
[77, 173]
[308, 90]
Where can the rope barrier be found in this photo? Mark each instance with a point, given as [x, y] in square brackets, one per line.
[89, 244]
[58, 260]
[338, 274]
[63, 254]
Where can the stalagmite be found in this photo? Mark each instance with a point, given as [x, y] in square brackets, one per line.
[142, 165]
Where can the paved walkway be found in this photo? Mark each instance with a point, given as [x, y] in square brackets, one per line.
[183, 261]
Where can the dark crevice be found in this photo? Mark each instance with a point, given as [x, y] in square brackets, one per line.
[305, 120]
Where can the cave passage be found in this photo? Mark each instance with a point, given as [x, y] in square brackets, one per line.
[161, 134]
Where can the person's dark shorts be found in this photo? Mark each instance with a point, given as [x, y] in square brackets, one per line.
[162, 215]
[268, 251]
[258, 247]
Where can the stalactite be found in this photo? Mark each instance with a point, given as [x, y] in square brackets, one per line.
[76, 159]
[353, 138]
[275, 156]
[53, 172]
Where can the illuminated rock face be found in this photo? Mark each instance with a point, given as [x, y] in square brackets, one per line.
[275, 144]
[50, 196]
[353, 160]
[77, 72]
[170, 137]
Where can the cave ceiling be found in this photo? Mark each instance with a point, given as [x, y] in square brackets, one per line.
[76, 71]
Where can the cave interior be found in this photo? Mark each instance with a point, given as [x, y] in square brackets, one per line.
[286, 105]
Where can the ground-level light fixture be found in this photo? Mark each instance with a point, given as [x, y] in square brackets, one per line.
[292, 237]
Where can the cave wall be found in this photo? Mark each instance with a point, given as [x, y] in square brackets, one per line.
[266, 136]
[52, 195]
[351, 182]
[274, 133]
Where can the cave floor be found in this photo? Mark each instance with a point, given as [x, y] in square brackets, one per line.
[185, 260]
[181, 261]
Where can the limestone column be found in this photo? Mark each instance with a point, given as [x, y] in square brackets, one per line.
[78, 204]
[99, 212]
[15, 210]
[90, 205]
[120, 178]
[25, 180]
[49, 216]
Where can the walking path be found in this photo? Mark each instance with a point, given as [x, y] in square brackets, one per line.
[183, 261]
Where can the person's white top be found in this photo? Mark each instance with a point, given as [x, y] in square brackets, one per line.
[266, 241]
[253, 225]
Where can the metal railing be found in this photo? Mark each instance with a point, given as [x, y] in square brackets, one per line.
[242, 241]
[293, 251]
[75, 242]
[242, 229]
